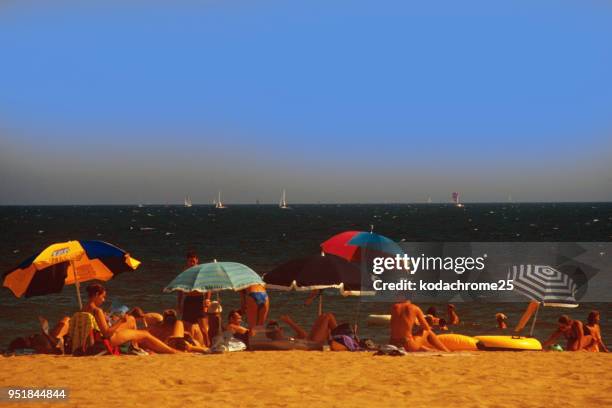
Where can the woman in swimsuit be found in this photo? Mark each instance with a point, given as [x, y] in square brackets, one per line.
[123, 330]
[573, 331]
[255, 303]
[592, 328]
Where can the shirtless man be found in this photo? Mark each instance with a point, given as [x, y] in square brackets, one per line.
[573, 331]
[404, 316]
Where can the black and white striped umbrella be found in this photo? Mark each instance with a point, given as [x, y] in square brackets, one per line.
[544, 284]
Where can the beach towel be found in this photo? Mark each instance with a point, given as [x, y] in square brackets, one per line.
[86, 338]
[81, 330]
[226, 342]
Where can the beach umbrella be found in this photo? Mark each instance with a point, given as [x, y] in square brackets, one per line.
[67, 263]
[214, 277]
[544, 285]
[315, 273]
[353, 245]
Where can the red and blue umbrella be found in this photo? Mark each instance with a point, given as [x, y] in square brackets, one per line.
[353, 245]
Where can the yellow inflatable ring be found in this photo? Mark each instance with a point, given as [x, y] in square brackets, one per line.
[458, 342]
[501, 343]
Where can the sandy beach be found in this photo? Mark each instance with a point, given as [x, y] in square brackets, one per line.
[278, 379]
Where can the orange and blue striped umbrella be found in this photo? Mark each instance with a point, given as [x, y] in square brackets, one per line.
[67, 263]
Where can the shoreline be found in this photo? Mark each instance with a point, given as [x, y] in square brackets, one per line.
[298, 378]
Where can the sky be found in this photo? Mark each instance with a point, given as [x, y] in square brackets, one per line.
[346, 101]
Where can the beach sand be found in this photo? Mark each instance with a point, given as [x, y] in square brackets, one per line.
[297, 378]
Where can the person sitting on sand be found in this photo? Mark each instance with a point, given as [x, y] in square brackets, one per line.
[453, 317]
[501, 321]
[255, 303]
[172, 332]
[123, 330]
[405, 333]
[573, 331]
[592, 328]
[234, 325]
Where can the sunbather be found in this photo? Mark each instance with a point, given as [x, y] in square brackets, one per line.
[172, 332]
[573, 331]
[124, 330]
[592, 327]
[319, 333]
[405, 333]
[235, 326]
[255, 303]
[143, 319]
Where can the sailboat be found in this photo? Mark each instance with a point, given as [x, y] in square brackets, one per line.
[188, 202]
[219, 203]
[455, 197]
[428, 200]
[283, 201]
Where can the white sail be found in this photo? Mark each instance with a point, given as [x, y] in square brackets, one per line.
[219, 203]
[283, 201]
[188, 202]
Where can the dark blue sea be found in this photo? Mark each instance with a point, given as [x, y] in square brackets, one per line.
[263, 236]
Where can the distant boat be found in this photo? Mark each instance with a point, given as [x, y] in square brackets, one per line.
[219, 203]
[140, 205]
[455, 197]
[283, 201]
[510, 198]
[428, 200]
[188, 202]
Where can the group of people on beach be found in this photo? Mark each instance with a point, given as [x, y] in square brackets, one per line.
[196, 325]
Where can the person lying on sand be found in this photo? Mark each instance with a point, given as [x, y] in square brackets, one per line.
[573, 331]
[405, 333]
[319, 333]
[56, 336]
[143, 319]
[592, 327]
[453, 317]
[123, 330]
[172, 332]
[501, 321]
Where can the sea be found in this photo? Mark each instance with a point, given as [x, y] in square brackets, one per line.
[265, 236]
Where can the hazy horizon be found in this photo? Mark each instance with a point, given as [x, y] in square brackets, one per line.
[338, 103]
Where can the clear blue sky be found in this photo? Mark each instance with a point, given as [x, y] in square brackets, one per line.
[345, 101]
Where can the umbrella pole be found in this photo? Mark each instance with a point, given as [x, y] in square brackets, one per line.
[535, 317]
[76, 285]
[321, 303]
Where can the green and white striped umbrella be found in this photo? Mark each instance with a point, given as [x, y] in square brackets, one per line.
[214, 277]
